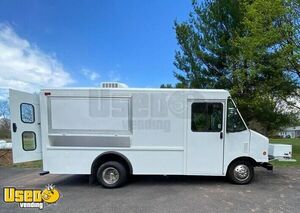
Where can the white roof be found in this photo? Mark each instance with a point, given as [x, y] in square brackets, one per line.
[213, 93]
[139, 89]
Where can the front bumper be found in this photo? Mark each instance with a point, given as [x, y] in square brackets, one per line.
[266, 165]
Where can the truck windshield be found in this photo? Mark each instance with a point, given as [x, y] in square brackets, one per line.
[234, 120]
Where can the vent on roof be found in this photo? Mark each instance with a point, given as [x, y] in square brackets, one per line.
[113, 85]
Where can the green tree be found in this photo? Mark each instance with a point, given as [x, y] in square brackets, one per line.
[163, 86]
[250, 47]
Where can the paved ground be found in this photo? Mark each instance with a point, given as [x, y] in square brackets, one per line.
[270, 192]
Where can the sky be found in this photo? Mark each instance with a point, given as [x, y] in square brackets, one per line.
[82, 43]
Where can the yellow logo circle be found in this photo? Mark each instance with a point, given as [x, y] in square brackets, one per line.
[50, 195]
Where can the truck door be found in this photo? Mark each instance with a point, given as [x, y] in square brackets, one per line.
[205, 137]
[25, 126]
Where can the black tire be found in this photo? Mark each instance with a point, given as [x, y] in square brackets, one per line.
[112, 166]
[234, 176]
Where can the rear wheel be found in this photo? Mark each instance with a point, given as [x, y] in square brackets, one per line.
[241, 172]
[112, 174]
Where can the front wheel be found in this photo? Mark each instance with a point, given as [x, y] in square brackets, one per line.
[241, 172]
[112, 174]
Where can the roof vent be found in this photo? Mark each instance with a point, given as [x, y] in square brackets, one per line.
[113, 85]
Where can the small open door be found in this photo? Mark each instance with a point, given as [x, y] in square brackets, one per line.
[25, 126]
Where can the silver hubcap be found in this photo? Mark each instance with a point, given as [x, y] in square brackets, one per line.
[110, 175]
[241, 172]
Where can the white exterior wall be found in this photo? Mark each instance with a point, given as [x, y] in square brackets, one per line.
[151, 133]
[157, 136]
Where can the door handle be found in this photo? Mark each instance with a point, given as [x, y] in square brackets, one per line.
[14, 126]
[221, 135]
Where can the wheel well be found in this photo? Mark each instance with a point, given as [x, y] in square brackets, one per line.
[110, 156]
[249, 159]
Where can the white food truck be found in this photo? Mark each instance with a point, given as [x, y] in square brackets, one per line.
[113, 131]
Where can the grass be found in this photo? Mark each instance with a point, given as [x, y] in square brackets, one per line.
[31, 164]
[295, 142]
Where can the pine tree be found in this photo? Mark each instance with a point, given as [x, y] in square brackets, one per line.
[250, 47]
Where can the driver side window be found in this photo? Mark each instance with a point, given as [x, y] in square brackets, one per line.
[207, 117]
[234, 121]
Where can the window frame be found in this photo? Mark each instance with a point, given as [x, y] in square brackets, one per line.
[208, 102]
[34, 141]
[241, 117]
[33, 113]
